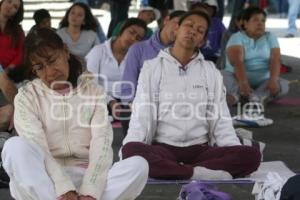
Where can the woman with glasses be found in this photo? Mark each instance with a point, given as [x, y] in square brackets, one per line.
[63, 150]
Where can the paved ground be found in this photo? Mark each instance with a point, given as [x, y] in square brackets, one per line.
[282, 138]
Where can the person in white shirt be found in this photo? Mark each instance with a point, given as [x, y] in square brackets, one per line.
[63, 150]
[78, 30]
[180, 121]
[107, 61]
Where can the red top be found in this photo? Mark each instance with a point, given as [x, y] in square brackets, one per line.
[10, 54]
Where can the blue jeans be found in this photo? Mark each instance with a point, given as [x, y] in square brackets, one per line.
[294, 6]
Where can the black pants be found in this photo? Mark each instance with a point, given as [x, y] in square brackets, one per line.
[125, 119]
[290, 190]
[118, 12]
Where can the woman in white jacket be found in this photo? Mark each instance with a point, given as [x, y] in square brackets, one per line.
[64, 146]
[180, 121]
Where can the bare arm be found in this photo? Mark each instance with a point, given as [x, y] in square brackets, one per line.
[236, 58]
[275, 63]
[7, 87]
[273, 84]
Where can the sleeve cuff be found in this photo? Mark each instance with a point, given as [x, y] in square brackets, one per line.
[92, 190]
[63, 187]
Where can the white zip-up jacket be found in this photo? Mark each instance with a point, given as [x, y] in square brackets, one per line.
[72, 129]
[146, 115]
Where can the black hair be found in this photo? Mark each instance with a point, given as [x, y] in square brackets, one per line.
[40, 15]
[133, 21]
[89, 20]
[240, 15]
[202, 5]
[198, 13]
[12, 26]
[176, 13]
[252, 10]
[38, 42]
[234, 28]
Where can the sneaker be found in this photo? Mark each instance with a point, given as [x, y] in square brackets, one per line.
[289, 35]
[255, 123]
[244, 133]
[262, 100]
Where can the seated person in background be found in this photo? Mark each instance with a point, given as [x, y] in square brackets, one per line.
[211, 50]
[99, 30]
[180, 121]
[147, 14]
[8, 92]
[64, 149]
[106, 61]
[136, 56]
[42, 19]
[238, 25]
[253, 62]
[77, 30]
[11, 33]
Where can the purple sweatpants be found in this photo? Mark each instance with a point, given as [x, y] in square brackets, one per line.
[170, 162]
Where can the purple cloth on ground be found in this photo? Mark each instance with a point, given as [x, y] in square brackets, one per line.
[291, 101]
[197, 190]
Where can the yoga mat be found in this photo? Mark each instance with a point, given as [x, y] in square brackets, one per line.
[152, 181]
[260, 175]
[291, 101]
[116, 124]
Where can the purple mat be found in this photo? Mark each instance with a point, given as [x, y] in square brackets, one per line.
[292, 101]
[179, 182]
[116, 125]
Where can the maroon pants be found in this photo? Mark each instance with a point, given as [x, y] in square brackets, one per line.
[170, 162]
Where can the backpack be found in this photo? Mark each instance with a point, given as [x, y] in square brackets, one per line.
[197, 190]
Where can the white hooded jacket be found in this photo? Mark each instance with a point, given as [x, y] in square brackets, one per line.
[71, 129]
[144, 122]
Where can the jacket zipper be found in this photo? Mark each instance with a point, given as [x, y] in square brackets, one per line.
[185, 91]
[68, 149]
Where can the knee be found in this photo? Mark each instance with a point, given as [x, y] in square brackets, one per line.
[12, 145]
[16, 148]
[132, 149]
[139, 166]
[251, 157]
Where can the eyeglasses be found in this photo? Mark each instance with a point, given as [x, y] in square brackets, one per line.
[52, 62]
